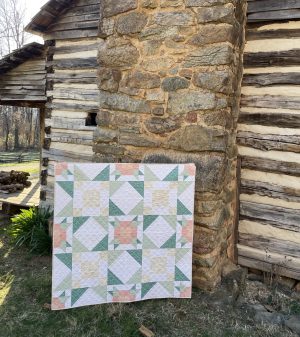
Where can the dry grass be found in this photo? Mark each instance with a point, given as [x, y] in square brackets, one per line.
[25, 283]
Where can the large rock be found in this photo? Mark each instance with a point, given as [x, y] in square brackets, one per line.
[216, 14]
[102, 135]
[211, 55]
[205, 3]
[212, 33]
[294, 324]
[131, 23]
[169, 19]
[218, 81]
[175, 83]
[196, 138]
[184, 102]
[141, 80]
[162, 125]
[118, 53]
[109, 79]
[121, 102]
[114, 7]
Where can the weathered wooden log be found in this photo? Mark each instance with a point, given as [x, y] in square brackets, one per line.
[13, 181]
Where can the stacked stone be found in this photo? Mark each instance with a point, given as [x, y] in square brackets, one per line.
[169, 76]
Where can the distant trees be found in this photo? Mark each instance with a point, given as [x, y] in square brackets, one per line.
[19, 127]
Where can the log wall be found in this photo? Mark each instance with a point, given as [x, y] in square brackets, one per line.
[72, 92]
[24, 85]
[269, 139]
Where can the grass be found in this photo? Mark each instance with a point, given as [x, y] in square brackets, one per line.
[30, 167]
[25, 286]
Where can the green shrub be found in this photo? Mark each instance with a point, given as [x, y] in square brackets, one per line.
[30, 229]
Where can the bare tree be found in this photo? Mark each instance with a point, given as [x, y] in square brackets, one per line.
[12, 17]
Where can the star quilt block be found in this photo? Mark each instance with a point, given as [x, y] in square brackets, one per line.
[122, 233]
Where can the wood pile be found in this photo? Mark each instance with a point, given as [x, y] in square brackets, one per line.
[14, 181]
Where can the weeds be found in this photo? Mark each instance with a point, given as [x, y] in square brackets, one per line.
[30, 229]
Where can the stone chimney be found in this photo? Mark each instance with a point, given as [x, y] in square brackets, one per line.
[170, 76]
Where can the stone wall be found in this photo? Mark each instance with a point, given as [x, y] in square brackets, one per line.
[169, 80]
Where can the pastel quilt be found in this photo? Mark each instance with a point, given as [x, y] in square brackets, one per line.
[122, 233]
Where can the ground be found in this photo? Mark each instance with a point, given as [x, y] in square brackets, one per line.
[29, 196]
[25, 285]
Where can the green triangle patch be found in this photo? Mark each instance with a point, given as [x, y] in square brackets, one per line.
[102, 245]
[149, 175]
[67, 186]
[66, 211]
[137, 255]
[147, 243]
[112, 279]
[66, 259]
[148, 220]
[114, 210]
[181, 209]
[104, 175]
[78, 222]
[79, 175]
[179, 276]
[170, 243]
[173, 175]
[77, 246]
[66, 284]
[76, 294]
[146, 287]
[138, 209]
[138, 186]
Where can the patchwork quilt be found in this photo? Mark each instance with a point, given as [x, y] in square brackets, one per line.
[122, 233]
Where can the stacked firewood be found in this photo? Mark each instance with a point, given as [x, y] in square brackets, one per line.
[14, 181]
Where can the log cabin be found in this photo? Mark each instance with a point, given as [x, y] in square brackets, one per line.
[210, 82]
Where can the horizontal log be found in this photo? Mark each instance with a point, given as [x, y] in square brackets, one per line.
[280, 217]
[273, 58]
[267, 165]
[270, 142]
[271, 244]
[270, 190]
[262, 80]
[283, 120]
[271, 5]
[271, 262]
[270, 101]
[72, 34]
[288, 14]
[83, 63]
[255, 34]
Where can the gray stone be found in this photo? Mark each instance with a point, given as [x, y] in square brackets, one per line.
[216, 14]
[131, 23]
[270, 318]
[162, 125]
[121, 102]
[109, 79]
[212, 33]
[102, 135]
[114, 7]
[109, 149]
[205, 3]
[179, 18]
[158, 110]
[151, 47]
[196, 138]
[137, 140]
[159, 64]
[294, 324]
[149, 4]
[218, 81]
[141, 80]
[117, 53]
[210, 173]
[171, 3]
[184, 102]
[175, 83]
[160, 33]
[215, 222]
[210, 55]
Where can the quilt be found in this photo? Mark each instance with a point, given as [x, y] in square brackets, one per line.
[122, 233]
